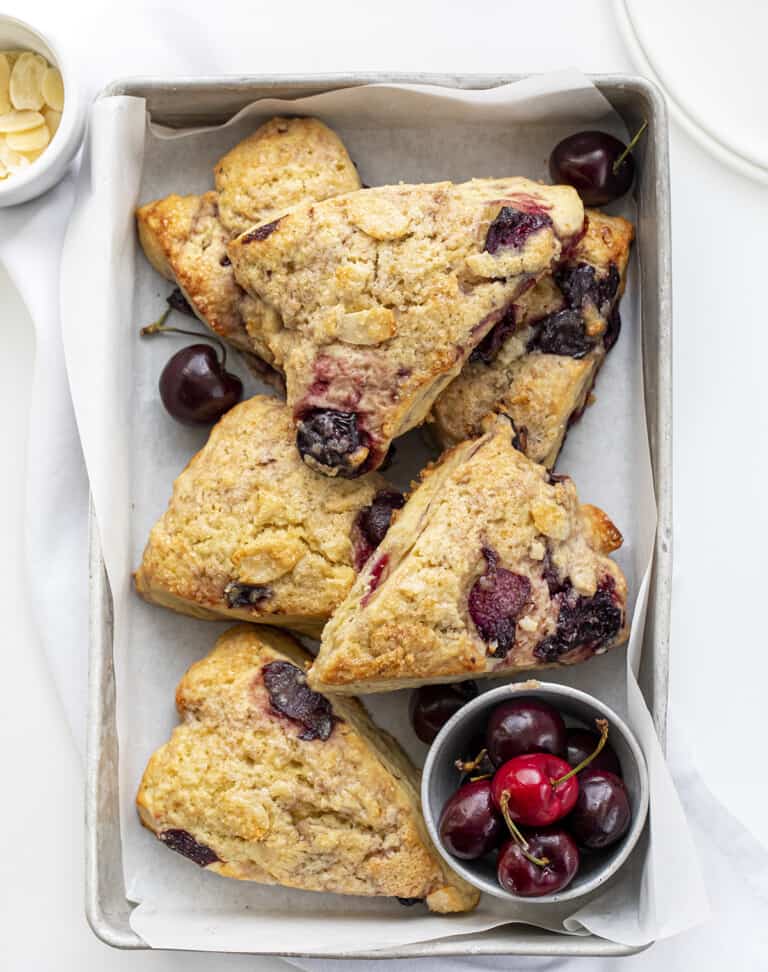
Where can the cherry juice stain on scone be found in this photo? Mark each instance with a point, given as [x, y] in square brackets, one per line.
[384, 293]
[492, 567]
[266, 780]
[251, 533]
[283, 162]
[539, 364]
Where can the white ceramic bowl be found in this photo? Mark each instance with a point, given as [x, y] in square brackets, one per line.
[50, 167]
[440, 780]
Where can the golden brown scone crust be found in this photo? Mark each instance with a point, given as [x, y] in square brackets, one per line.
[384, 292]
[185, 237]
[247, 511]
[284, 162]
[340, 814]
[184, 240]
[406, 620]
[542, 393]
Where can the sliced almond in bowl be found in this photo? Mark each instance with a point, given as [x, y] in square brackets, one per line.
[52, 119]
[29, 141]
[20, 121]
[12, 160]
[26, 84]
[53, 89]
[5, 80]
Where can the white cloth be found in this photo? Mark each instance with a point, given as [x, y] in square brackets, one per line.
[112, 41]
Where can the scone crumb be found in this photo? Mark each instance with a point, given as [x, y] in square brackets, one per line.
[550, 519]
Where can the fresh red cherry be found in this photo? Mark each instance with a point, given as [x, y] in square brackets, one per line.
[524, 726]
[433, 705]
[470, 825]
[597, 165]
[537, 789]
[602, 813]
[195, 386]
[581, 742]
[519, 873]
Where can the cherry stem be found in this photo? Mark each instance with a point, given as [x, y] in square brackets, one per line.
[602, 725]
[471, 764]
[482, 776]
[517, 834]
[160, 327]
[628, 149]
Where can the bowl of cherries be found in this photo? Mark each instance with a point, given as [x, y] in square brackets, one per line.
[535, 791]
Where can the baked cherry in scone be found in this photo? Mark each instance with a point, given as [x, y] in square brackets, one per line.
[252, 534]
[539, 364]
[384, 293]
[492, 566]
[242, 786]
[373, 522]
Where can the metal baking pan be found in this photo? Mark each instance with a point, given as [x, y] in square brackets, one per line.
[189, 102]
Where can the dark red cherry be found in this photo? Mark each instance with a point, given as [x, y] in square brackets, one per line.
[470, 825]
[581, 742]
[195, 388]
[602, 813]
[519, 875]
[524, 726]
[433, 705]
[596, 164]
[538, 789]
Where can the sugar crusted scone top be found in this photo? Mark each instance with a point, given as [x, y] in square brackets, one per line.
[259, 802]
[407, 619]
[284, 162]
[384, 292]
[247, 511]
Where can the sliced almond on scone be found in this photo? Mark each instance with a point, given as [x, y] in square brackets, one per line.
[492, 567]
[268, 781]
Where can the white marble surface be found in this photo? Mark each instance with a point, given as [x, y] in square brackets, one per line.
[719, 654]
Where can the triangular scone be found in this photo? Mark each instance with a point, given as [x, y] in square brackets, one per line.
[491, 567]
[539, 365]
[251, 533]
[284, 162]
[185, 237]
[385, 292]
[267, 781]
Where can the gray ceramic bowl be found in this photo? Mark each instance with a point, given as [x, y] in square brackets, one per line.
[440, 780]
